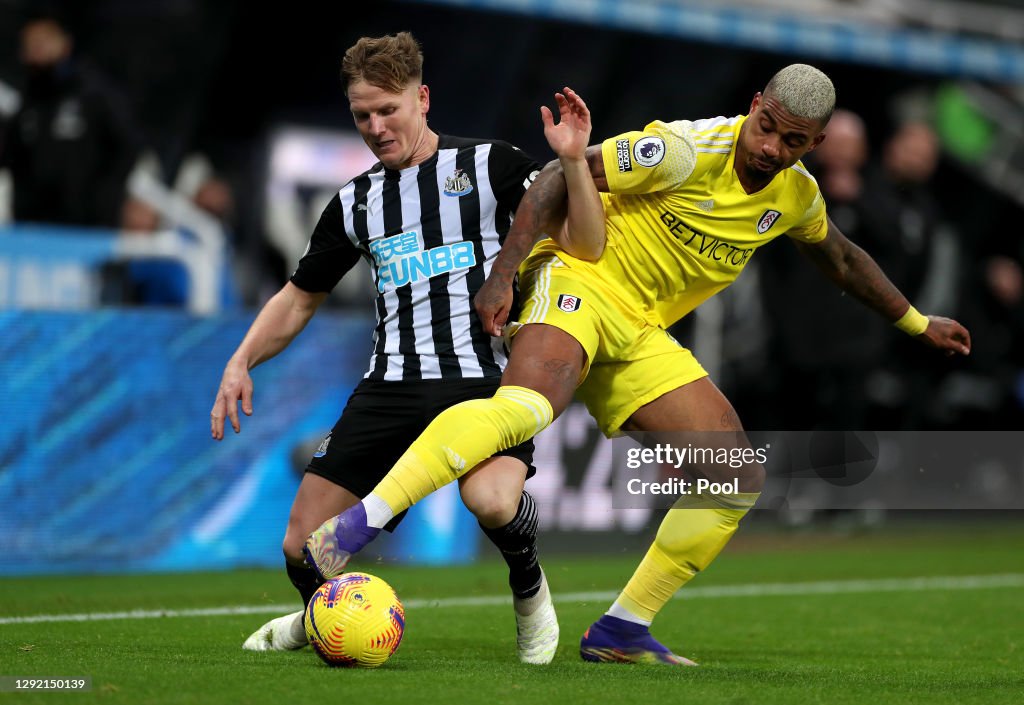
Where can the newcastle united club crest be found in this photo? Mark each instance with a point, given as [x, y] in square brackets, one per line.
[457, 184]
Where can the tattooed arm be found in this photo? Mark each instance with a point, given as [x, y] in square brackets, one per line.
[542, 210]
[856, 273]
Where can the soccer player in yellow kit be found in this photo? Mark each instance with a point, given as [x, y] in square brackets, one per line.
[685, 206]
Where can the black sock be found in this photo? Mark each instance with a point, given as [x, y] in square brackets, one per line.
[305, 579]
[517, 541]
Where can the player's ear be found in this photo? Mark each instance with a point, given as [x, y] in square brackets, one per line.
[423, 97]
[755, 102]
[816, 141]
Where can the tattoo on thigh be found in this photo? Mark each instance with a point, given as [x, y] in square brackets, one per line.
[560, 370]
[730, 419]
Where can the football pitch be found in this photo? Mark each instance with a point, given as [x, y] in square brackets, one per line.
[922, 614]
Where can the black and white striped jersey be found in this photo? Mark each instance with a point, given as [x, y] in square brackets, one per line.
[430, 234]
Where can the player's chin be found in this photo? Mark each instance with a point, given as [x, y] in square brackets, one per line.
[765, 168]
[389, 155]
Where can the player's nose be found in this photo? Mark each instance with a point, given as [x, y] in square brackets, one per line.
[376, 125]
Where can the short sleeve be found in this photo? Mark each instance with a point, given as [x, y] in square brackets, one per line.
[329, 254]
[813, 225]
[660, 158]
[511, 173]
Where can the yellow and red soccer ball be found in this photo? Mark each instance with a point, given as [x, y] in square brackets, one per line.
[355, 620]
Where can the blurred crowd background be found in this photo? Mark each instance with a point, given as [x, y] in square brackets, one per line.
[185, 113]
[175, 154]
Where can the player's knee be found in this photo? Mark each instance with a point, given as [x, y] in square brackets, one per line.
[490, 506]
[752, 479]
[293, 542]
[749, 478]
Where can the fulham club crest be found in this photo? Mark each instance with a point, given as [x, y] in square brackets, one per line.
[767, 220]
[569, 303]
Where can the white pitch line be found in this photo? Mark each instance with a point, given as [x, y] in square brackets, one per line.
[828, 587]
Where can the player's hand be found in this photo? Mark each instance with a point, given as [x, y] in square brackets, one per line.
[946, 335]
[235, 385]
[493, 302]
[570, 137]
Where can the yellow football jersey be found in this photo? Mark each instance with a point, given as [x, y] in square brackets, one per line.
[680, 226]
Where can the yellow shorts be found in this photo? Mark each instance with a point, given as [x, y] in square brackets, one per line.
[630, 362]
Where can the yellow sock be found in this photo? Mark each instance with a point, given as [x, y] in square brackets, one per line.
[459, 438]
[687, 541]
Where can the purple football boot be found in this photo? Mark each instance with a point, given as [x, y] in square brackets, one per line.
[329, 548]
[614, 640]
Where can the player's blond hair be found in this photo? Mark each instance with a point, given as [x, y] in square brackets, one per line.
[804, 92]
[390, 62]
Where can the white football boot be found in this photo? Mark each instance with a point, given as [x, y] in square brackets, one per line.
[537, 631]
[285, 633]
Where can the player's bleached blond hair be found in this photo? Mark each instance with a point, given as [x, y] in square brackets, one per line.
[804, 91]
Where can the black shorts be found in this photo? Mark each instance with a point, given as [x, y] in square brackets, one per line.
[382, 419]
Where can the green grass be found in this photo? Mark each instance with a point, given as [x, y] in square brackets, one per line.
[933, 646]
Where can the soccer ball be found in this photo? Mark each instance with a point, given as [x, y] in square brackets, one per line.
[355, 620]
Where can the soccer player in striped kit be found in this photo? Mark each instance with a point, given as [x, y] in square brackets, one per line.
[685, 204]
[429, 219]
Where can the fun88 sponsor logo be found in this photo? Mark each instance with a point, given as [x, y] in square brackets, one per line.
[402, 260]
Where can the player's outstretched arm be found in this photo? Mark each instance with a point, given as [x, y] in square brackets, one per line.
[853, 270]
[582, 234]
[542, 210]
[281, 319]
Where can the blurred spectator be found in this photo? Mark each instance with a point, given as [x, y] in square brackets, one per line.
[213, 194]
[215, 191]
[138, 218]
[160, 227]
[1005, 282]
[72, 143]
[216, 198]
[841, 158]
[921, 257]
[159, 282]
[903, 206]
[822, 367]
[988, 393]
